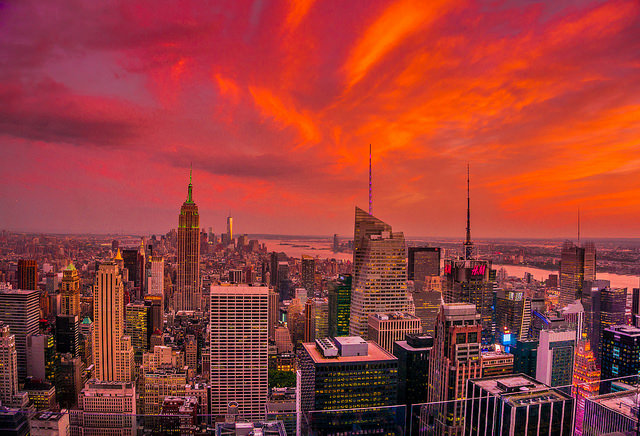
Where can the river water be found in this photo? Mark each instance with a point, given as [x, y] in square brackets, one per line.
[322, 248]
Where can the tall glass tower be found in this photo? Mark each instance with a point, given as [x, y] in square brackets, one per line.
[188, 294]
[380, 271]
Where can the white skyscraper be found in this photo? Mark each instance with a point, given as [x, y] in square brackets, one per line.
[156, 280]
[239, 347]
[112, 351]
[8, 365]
[380, 271]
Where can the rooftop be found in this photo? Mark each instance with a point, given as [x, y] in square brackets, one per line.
[375, 353]
[393, 316]
[625, 403]
[520, 389]
[626, 329]
[48, 416]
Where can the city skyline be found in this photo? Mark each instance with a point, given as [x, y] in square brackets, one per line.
[276, 105]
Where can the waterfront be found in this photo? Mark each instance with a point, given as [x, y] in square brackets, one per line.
[617, 280]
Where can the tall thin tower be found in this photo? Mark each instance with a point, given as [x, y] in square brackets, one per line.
[468, 245]
[370, 185]
[188, 293]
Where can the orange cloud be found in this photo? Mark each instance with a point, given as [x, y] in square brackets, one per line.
[285, 113]
[227, 87]
[299, 9]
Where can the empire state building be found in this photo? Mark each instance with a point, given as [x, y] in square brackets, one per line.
[188, 295]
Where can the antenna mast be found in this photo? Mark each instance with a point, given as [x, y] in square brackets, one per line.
[370, 185]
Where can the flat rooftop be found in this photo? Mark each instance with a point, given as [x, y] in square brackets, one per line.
[386, 316]
[374, 354]
[622, 402]
[626, 329]
[520, 390]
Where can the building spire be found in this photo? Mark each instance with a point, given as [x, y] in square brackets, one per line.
[189, 193]
[468, 245]
[578, 227]
[370, 186]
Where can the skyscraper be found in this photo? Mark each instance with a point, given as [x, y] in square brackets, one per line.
[156, 280]
[188, 294]
[19, 309]
[229, 229]
[239, 349]
[586, 376]
[70, 290]
[112, 351]
[589, 261]
[620, 354]
[571, 272]
[8, 365]
[339, 306]
[27, 274]
[555, 357]
[423, 262]
[308, 274]
[380, 271]
[458, 328]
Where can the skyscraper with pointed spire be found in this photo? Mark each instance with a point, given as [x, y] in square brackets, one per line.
[379, 269]
[468, 245]
[188, 295]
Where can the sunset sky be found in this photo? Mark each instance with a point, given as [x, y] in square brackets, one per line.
[102, 110]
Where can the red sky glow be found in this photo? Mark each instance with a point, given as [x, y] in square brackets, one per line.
[104, 106]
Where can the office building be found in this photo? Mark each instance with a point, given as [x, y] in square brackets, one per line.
[525, 357]
[635, 307]
[188, 295]
[345, 373]
[42, 394]
[513, 316]
[380, 271]
[612, 414]
[112, 350]
[156, 278]
[555, 357]
[620, 353]
[41, 357]
[69, 381]
[423, 262]
[472, 282]
[386, 328]
[8, 366]
[274, 305]
[27, 274]
[427, 302]
[589, 261]
[50, 424]
[494, 363]
[239, 349]
[455, 358]
[339, 305]
[413, 367]
[105, 405]
[158, 385]
[68, 334]
[308, 274]
[229, 230]
[571, 273]
[14, 422]
[137, 328]
[586, 378]
[604, 307]
[516, 405]
[19, 309]
[70, 291]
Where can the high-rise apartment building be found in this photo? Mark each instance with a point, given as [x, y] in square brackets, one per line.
[472, 282]
[386, 328]
[339, 305]
[555, 357]
[20, 310]
[70, 291]
[571, 272]
[188, 295]
[516, 405]
[455, 358]
[27, 274]
[380, 271]
[112, 350]
[423, 262]
[239, 349]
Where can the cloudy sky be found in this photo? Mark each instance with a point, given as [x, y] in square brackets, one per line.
[104, 107]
